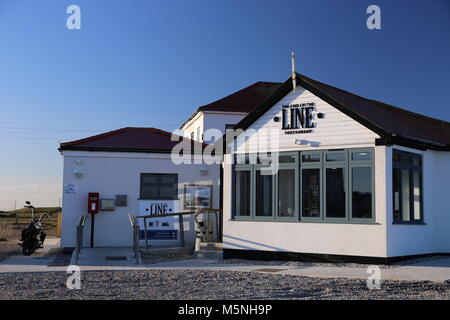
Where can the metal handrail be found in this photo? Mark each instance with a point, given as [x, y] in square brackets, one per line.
[82, 221]
[166, 214]
[202, 233]
[80, 228]
[180, 220]
[131, 219]
[79, 240]
[136, 236]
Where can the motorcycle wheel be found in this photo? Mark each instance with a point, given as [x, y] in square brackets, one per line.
[27, 251]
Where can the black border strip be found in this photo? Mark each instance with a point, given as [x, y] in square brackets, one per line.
[316, 257]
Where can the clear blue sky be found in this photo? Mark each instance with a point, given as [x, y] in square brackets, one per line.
[151, 63]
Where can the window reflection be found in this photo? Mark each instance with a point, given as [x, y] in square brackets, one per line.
[335, 192]
[263, 194]
[335, 156]
[311, 192]
[243, 193]
[361, 192]
[286, 192]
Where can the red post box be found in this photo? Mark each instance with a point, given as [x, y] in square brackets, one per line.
[93, 202]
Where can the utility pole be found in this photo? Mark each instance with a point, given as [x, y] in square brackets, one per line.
[15, 208]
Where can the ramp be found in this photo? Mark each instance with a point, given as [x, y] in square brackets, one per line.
[108, 257]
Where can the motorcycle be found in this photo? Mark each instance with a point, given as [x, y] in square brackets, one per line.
[33, 236]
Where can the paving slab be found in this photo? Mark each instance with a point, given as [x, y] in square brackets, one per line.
[37, 261]
[437, 270]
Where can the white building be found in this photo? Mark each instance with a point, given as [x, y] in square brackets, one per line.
[118, 163]
[357, 179]
[132, 170]
[354, 179]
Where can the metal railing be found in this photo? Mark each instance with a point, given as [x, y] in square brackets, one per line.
[203, 229]
[180, 219]
[79, 240]
[136, 236]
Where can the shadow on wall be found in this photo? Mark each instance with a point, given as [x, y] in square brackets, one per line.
[241, 246]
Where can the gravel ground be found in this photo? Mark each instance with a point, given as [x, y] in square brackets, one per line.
[161, 256]
[207, 285]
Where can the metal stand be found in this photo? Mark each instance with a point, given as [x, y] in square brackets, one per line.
[145, 230]
[181, 222]
[92, 229]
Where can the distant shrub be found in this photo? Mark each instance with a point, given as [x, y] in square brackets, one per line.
[27, 211]
[6, 230]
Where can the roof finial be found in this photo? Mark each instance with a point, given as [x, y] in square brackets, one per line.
[294, 77]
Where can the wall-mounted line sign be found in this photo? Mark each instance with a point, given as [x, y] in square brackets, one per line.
[158, 228]
[298, 118]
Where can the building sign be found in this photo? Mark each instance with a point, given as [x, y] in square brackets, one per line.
[298, 118]
[157, 228]
[70, 188]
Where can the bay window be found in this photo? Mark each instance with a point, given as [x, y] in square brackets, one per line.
[310, 186]
[243, 193]
[311, 192]
[287, 193]
[407, 187]
[361, 190]
[362, 197]
[335, 195]
[264, 186]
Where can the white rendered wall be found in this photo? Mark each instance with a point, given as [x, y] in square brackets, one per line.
[336, 130]
[434, 235]
[218, 120]
[119, 173]
[211, 120]
[442, 171]
[192, 125]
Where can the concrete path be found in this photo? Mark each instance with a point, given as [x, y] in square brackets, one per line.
[110, 257]
[38, 260]
[104, 259]
[437, 270]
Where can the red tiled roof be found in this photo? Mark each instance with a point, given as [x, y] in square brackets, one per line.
[244, 100]
[129, 139]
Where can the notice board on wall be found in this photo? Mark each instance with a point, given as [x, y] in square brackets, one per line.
[158, 228]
